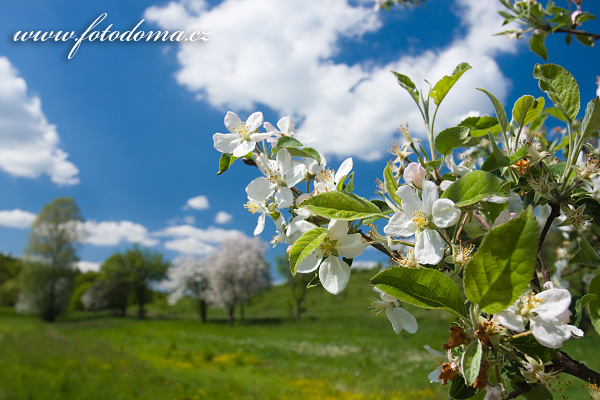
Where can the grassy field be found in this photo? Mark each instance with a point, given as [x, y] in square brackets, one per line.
[338, 351]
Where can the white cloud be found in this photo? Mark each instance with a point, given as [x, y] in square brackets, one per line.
[365, 264]
[259, 54]
[197, 203]
[16, 218]
[28, 142]
[191, 240]
[111, 233]
[85, 266]
[223, 217]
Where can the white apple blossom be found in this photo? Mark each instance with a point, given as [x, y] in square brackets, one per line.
[281, 174]
[243, 136]
[536, 372]
[333, 272]
[548, 314]
[257, 207]
[466, 165]
[327, 180]
[398, 316]
[421, 218]
[286, 128]
[414, 173]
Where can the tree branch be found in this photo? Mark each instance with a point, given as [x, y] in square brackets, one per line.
[553, 215]
[593, 36]
[565, 364]
[522, 388]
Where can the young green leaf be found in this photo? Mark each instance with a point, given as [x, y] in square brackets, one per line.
[441, 89]
[586, 255]
[473, 188]
[530, 346]
[591, 120]
[561, 88]
[499, 108]
[471, 362]
[503, 265]
[405, 82]
[536, 44]
[422, 287]
[452, 138]
[305, 245]
[459, 389]
[341, 205]
[391, 185]
[225, 162]
[307, 152]
[495, 160]
[287, 142]
[526, 109]
[595, 303]
[480, 126]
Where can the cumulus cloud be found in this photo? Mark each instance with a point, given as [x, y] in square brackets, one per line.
[197, 203]
[223, 217]
[86, 266]
[16, 218]
[187, 239]
[254, 58]
[28, 142]
[111, 233]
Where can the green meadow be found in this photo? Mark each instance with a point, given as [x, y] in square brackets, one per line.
[339, 350]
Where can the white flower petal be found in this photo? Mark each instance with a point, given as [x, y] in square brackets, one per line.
[244, 148]
[410, 201]
[270, 128]
[225, 142]
[286, 125]
[430, 195]
[434, 376]
[258, 136]
[260, 189]
[444, 213]
[254, 121]
[429, 247]
[511, 320]
[334, 274]
[260, 226]
[344, 170]
[310, 263]
[351, 246]
[232, 122]
[400, 225]
[284, 197]
[435, 353]
[554, 302]
[401, 319]
[549, 333]
[337, 229]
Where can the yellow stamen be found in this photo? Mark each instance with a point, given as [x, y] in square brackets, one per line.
[420, 219]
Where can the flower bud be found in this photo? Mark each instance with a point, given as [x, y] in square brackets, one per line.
[414, 174]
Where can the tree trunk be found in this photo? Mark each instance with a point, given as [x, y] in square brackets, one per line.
[298, 309]
[141, 311]
[231, 310]
[202, 309]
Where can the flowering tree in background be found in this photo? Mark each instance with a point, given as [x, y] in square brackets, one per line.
[188, 276]
[236, 272]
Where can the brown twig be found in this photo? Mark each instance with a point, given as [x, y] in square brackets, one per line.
[593, 36]
[565, 364]
[377, 246]
[522, 388]
[481, 220]
[553, 215]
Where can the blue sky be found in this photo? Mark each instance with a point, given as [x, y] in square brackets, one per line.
[126, 128]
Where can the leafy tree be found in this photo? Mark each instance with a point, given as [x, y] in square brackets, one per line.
[10, 268]
[133, 272]
[237, 271]
[188, 276]
[83, 282]
[298, 284]
[47, 279]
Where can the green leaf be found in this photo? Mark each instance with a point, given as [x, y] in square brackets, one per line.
[591, 120]
[452, 138]
[536, 44]
[405, 82]
[495, 160]
[553, 112]
[460, 391]
[422, 287]
[471, 362]
[522, 152]
[561, 88]
[503, 265]
[391, 185]
[539, 392]
[225, 162]
[595, 303]
[530, 346]
[305, 245]
[473, 188]
[480, 126]
[441, 89]
[526, 109]
[592, 208]
[341, 205]
[308, 152]
[585, 40]
[287, 142]
[586, 255]
[499, 109]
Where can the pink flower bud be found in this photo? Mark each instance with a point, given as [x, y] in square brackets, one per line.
[414, 174]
